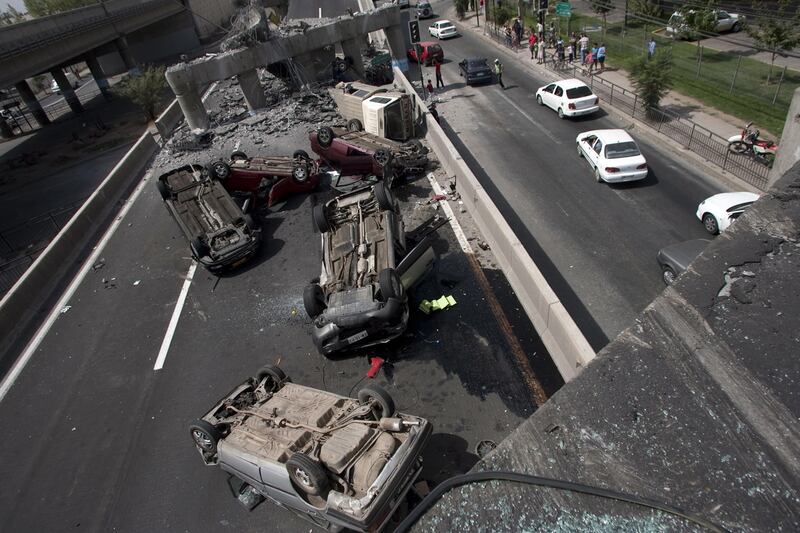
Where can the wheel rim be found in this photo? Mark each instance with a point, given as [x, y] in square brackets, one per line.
[382, 158]
[220, 171]
[303, 478]
[669, 277]
[300, 173]
[710, 223]
[539, 100]
[597, 175]
[324, 137]
[560, 113]
[737, 147]
[202, 439]
[353, 127]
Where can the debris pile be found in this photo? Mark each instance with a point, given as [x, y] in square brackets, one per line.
[249, 27]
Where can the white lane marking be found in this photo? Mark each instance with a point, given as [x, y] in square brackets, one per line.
[562, 209]
[448, 211]
[535, 122]
[176, 315]
[44, 329]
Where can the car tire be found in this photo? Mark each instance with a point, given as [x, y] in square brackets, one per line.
[321, 218]
[219, 170]
[668, 275]
[382, 156]
[737, 147]
[300, 171]
[314, 300]
[390, 285]
[385, 407]
[737, 27]
[163, 190]
[711, 224]
[539, 99]
[384, 197]
[417, 147]
[325, 136]
[354, 125]
[199, 248]
[238, 155]
[308, 475]
[561, 114]
[300, 154]
[580, 152]
[205, 436]
[276, 375]
[597, 175]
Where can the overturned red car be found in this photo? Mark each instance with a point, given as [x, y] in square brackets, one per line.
[273, 178]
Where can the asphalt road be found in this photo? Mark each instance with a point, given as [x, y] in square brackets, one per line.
[596, 243]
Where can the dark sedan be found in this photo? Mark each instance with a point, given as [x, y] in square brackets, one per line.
[675, 258]
[475, 70]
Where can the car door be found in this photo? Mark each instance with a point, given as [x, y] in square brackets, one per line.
[432, 29]
[724, 22]
[585, 145]
[547, 95]
[596, 153]
[558, 97]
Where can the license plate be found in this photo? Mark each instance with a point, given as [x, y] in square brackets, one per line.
[357, 337]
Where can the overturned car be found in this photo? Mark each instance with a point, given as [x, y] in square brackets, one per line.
[361, 296]
[336, 461]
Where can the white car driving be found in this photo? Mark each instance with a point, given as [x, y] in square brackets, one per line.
[569, 98]
[613, 155]
[718, 211]
[442, 29]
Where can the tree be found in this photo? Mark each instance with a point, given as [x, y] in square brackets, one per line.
[10, 16]
[701, 20]
[602, 7]
[777, 32]
[461, 8]
[42, 8]
[652, 78]
[145, 90]
[648, 9]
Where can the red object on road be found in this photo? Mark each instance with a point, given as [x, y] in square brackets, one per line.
[439, 198]
[375, 365]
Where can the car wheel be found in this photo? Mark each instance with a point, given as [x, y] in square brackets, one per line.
[383, 404]
[390, 284]
[539, 99]
[237, 155]
[300, 171]
[354, 125]
[384, 197]
[668, 275]
[325, 136]
[308, 474]
[273, 375]
[163, 190]
[300, 154]
[205, 436]
[314, 300]
[321, 219]
[382, 157]
[737, 27]
[737, 147]
[580, 152]
[219, 170]
[560, 113]
[199, 248]
[415, 146]
[597, 175]
[711, 224]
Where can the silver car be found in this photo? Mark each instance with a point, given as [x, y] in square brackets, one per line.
[339, 462]
[675, 258]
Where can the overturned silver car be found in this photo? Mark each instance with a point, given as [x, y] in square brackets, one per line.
[336, 461]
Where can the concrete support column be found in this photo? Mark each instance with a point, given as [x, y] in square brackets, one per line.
[252, 90]
[304, 68]
[352, 49]
[182, 82]
[396, 35]
[98, 75]
[789, 153]
[125, 54]
[32, 103]
[5, 129]
[66, 90]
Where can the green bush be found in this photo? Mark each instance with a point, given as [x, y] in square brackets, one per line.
[145, 90]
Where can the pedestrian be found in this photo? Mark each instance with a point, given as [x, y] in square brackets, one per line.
[532, 43]
[583, 42]
[593, 51]
[429, 87]
[498, 70]
[560, 49]
[589, 61]
[437, 65]
[601, 56]
[540, 31]
[570, 53]
[651, 48]
[508, 35]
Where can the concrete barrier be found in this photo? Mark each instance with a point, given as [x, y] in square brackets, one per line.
[568, 347]
[25, 299]
[170, 118]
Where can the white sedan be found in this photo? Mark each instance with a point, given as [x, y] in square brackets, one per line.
[570, 98]
[613, 154]
[442, 29]
[718, 211]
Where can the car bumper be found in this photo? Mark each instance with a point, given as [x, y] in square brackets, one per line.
[580, 112]
[373, 327]
[621, 177]
[448, 35]
[234, 258]
[473, 80]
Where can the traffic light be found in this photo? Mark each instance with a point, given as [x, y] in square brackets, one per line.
[413, 30]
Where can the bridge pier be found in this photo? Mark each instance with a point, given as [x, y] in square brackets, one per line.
[98, 75]
[125, 53]
[32, 103]
[67, 90]
[396, 35]
[252, 90]
[184, 86]
[352, 48]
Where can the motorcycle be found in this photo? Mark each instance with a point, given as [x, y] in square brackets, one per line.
[749, 143]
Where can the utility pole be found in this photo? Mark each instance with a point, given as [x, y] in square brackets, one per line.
[478, 12]
[625, 21]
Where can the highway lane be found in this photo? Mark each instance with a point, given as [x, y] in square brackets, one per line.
[97, 440]
[595, 242]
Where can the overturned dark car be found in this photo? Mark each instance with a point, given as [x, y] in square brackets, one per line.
[341, 463]
[367, 267]
[220, 234]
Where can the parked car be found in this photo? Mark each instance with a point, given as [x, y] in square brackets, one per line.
[220, 234]
[677, 26]
[361, 297]
[402, 3]
[359, 152]
[475, 70]
[339, 462]
[429, 51]
[613, 155]
[569, 98]
[424, 10]
[675, 258]
[443, 29]
[273, 178]
[719, 211]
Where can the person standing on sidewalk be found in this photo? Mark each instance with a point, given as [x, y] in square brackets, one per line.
[593, 53]
[601, 56]
[429, 88]
[532, 43]
[651, 48]
[437, 65]
[583, 42]
[498, 70]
